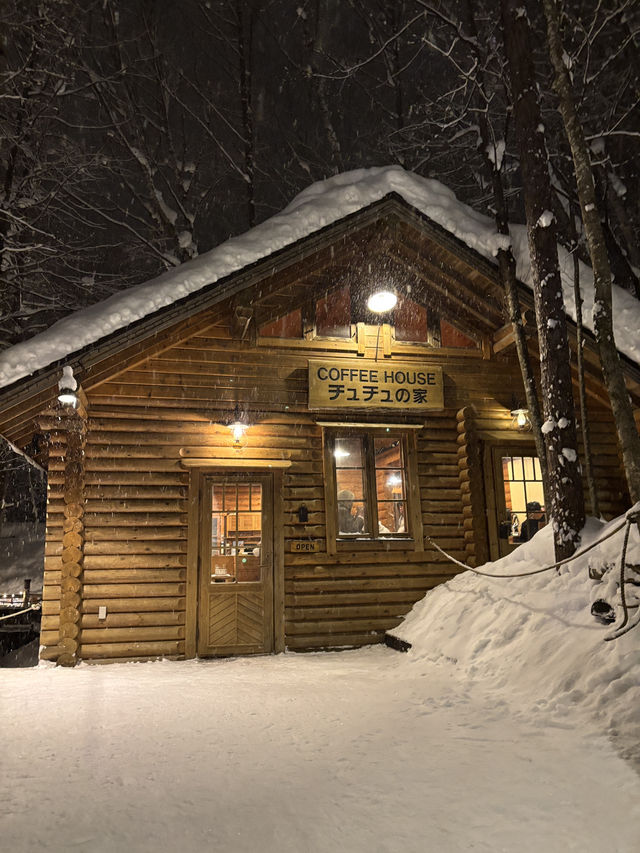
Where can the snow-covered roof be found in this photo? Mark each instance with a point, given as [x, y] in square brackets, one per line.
[320, 205]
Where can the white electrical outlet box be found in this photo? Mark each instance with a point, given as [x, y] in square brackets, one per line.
[102, 612]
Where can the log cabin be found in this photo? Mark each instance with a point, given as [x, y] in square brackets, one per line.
[250, 459]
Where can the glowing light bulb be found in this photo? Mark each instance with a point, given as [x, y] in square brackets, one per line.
[68, 398]
[238, 430]
[382, 301]
[521, 419]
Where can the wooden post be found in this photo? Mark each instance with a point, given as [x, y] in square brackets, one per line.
[471, 489]
[74, 423]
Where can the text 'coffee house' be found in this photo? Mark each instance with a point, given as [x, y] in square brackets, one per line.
[261, 465]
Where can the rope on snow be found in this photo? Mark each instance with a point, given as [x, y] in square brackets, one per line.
[535, 571]
[626, 625]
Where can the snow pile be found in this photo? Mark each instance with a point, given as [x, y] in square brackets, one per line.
[534, 638]
[316, 207]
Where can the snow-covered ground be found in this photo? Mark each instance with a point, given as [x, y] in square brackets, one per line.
[355, 751]
[501, 730]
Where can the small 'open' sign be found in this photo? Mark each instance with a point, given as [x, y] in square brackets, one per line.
[304, 546]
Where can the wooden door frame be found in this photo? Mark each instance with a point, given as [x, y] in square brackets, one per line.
[519, 445]
[197, 487]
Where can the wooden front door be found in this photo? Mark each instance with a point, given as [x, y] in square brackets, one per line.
[235, 602]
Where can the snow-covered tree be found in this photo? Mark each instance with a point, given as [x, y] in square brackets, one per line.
[559, 428]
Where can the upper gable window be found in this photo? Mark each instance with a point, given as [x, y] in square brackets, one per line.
[333, 314]
[289, 326]
[452, 337]
[415, 323]
[410, 321]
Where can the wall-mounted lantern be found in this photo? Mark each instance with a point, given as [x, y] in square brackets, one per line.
[521, 420]
[238, 426]
[67, 388]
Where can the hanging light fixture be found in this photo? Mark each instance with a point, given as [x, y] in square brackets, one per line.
[382, 300]
[521, 420]
[67, 387]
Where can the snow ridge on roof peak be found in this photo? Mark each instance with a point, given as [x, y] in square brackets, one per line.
[321, 204]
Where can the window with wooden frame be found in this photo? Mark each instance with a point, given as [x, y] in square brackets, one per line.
[371, 486]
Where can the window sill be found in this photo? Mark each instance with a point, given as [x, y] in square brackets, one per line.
[386, 544]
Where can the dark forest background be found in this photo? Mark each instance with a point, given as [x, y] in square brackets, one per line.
[137, 134]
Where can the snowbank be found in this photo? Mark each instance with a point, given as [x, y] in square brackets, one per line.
[316, 207]
[534, 638]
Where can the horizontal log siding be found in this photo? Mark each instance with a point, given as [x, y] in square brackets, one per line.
[353, 597]
[136, 492]
[606, 458]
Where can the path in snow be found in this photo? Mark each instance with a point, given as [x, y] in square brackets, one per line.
[362, 752]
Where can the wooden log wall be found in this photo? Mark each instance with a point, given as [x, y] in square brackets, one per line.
[606, 459]
[470, 473]
[51, 591]
[351, 598]
[136, 492]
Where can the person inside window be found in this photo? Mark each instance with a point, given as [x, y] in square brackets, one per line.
[348, 521]
[535, 519]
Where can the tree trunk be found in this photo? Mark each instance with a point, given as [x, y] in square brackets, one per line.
[584, 416]
[567, 499]
[602, 309]
[506, 261]
[245, 38]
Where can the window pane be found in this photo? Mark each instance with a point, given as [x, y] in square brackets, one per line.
[518, 497]
[452, 337]
[217, 498]
[390, 484]
[529, 472]
[333, 314]
[410, 320]
[353, 516]
[348, 453]
[392, 517]
[256, 497]
[524, 497]
[236, 532]
[388, 452]
[289, 326]
[517, 470]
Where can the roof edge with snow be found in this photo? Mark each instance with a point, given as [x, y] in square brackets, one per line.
[318, 214]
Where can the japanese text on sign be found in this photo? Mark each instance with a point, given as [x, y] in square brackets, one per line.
[360, 384]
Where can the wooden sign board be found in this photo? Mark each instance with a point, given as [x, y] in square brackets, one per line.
[359, 384]
[304, 546]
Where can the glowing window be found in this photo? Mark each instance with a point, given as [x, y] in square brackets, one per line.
[370, 484]
[524, 497]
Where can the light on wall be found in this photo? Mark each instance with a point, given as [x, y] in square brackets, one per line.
[238, 426]
[521, 420]
[381, 301]
[67, 387]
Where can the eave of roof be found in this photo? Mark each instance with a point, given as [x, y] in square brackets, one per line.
[231, 285]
